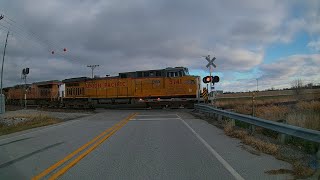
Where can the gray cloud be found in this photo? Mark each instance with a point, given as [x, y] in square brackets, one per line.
[132, 35]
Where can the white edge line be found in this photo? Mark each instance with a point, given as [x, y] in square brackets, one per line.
[155, 119]
[42, 129]
[156, 115]
[235, 174]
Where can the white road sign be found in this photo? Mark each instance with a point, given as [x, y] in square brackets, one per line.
[210, 61]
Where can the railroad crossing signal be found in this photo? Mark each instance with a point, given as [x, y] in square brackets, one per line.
[25, 71]
[211, 79]
[207, 79]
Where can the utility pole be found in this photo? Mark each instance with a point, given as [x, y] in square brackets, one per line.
[4, 54]
[24, 76]
[92, 68]
[255, 106]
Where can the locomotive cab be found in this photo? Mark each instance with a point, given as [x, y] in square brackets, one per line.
[177, 72]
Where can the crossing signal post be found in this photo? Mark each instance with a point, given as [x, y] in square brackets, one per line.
[210, 79]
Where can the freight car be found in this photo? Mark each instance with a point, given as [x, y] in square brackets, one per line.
[169, 87]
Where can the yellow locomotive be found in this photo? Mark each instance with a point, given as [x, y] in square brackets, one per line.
[44, 93]
[169, 87]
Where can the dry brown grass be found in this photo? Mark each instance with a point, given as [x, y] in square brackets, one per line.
[301, 171]
[305, 92]
[272, 112]
[298, 171]
[257, 144]
[33, 121]
[306, 106]
[231, 103]
[260, 145]
[310, 120]
[303, 114]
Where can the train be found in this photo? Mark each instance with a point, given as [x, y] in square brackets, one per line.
[165, 88]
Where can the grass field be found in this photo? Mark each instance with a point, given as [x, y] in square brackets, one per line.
[301, 110]
[32, 122]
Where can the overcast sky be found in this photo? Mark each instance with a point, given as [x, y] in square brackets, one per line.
[275, 41]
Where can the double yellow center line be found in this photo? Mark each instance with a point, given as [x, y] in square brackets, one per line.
[95, 141]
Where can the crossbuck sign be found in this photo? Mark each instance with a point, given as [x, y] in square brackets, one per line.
[210, 61]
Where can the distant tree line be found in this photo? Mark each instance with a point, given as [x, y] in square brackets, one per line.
[297, 85]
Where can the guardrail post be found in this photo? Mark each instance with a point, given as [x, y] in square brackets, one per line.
[282, 138]
[252, 129]
[233, 122]
[219, 117]
[318, 153]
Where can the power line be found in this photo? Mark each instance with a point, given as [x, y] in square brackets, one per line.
[21, 37]
[28, 38]
[14, 23]
[22, 34]
[33, 36]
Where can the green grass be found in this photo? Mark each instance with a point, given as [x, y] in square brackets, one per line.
[33, 122]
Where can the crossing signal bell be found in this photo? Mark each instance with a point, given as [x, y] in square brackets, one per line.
[213, 79]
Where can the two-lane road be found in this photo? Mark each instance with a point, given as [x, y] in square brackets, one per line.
[156, 144]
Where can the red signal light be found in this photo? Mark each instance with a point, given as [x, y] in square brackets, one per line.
[207, 79]
[64, 49]
[52, 52]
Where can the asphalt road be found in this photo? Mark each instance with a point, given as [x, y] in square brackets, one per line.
[153, 144]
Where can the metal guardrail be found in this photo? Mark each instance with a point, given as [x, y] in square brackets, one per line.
[307, 134]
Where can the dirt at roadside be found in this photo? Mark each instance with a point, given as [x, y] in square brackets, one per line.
[18, 116]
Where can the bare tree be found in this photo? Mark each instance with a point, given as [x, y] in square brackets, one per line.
[297, 86]
[310, 85]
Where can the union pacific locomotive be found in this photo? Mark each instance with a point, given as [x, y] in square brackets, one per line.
[169, 87]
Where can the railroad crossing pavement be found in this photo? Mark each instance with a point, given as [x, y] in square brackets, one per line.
[114, 144]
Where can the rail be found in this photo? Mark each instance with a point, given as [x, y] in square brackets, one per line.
[306, 134]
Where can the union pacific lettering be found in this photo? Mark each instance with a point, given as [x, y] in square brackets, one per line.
[105, 85]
